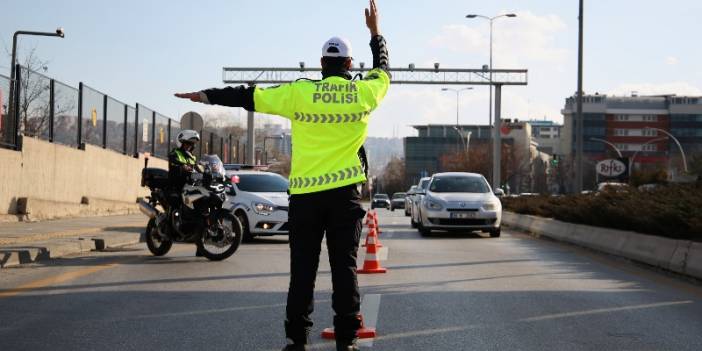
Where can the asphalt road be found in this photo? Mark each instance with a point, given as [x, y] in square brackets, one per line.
[446, 292]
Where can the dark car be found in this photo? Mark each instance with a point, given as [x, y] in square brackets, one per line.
[380, 201]
[398, 201]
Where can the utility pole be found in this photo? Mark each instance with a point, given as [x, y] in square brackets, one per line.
[579, 116]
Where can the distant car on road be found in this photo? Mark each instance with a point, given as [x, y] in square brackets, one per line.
[398, 201]
[260, 201]
[459, 201]
[416, 199]
[612, 186]
[380, 201]
[408, 199]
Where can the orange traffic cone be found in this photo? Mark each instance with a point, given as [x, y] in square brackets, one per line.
[371, 263]
[372, 237]
[369, 218]
[362, 333]
[375, 221]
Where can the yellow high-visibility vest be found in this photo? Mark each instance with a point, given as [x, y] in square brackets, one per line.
[329, 125]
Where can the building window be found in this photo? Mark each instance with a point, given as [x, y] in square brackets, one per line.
[650, 118]
[621, 132]
[650, 132]
[621, 118]
[649, 147]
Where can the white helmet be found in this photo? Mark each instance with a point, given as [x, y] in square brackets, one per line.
[189, 136]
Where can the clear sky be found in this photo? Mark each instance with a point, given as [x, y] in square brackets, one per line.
[143, 51]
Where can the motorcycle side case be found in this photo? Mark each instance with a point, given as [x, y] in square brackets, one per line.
[155, 178]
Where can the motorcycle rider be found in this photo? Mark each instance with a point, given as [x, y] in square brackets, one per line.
[181, 161]
[330, 121]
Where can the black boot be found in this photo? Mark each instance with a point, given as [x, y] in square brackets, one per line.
[295, 347]
[347, 345]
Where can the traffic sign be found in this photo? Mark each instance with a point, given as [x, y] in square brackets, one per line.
[611, 168]
[191, 120]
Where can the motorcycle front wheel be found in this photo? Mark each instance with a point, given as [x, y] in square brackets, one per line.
[154, 242]
[222, 239]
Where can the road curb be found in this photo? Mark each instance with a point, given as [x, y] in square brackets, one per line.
[15, 255]
[680, 256]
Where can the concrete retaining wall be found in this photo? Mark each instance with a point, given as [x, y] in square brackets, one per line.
[51, 180]
[680, 256]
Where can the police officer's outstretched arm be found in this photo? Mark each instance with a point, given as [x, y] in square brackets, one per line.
[378, 79]
[273, 100]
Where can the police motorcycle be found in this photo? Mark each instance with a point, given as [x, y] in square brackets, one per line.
[201, 220]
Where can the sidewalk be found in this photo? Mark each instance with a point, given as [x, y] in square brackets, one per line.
[27, 242]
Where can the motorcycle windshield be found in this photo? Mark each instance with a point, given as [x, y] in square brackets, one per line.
[214, 164]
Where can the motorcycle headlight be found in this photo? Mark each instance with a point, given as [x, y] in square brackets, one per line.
[263, 209]
[432, 205]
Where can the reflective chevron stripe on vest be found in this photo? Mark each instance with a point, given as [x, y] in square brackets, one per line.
[329, 121]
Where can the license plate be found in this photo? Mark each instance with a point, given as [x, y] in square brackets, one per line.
[462, 214]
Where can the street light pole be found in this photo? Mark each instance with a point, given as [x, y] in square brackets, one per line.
[13, 83]
[682, 152]
[610, 144]
[457, 91]
[632, 160]
[496, 139]
[492, 21]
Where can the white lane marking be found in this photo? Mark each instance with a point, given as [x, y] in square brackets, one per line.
[603, 310]
[383, 253]
[369, 309]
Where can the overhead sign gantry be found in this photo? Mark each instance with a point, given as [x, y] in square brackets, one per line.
[408, 76]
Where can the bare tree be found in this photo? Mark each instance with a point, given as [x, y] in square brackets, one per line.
[393, 178]
[34, 95]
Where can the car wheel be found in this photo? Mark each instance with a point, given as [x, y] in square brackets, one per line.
[495, 233]
[246, 232]
[424, 231]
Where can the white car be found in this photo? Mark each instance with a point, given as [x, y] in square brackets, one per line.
[459, 201]
[417, 199]
[260, 201]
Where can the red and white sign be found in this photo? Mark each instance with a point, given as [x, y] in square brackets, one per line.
[611, 168]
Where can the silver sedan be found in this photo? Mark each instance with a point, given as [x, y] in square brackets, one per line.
[459, 201]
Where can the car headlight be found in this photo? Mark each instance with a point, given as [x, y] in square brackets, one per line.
[263, 209]
[432, 205]
[490, 206]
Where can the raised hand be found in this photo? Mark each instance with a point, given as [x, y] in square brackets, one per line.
[372, 18]
[195, 97]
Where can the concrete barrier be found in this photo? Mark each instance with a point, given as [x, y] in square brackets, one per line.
[51, 181]
[33, 252]
[694, 260]
[680, 256]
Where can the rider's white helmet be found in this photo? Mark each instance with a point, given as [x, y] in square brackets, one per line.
[187, 135]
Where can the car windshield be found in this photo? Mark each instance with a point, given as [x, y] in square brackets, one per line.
[399, 195]
[262, 183]
[423, 184]
[459, 185]
[381, 196]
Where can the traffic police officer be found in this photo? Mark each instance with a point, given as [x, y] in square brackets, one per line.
[329, 125]
[181, 161]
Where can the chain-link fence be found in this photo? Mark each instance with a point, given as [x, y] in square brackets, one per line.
[50, 110]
